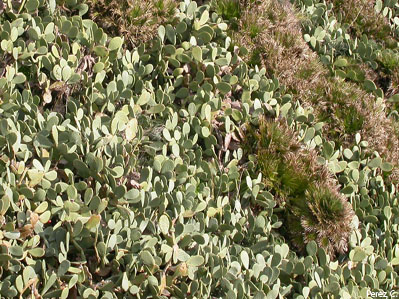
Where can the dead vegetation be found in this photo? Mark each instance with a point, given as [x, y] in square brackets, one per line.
[271, 30]
[136, 20]
[361, 19]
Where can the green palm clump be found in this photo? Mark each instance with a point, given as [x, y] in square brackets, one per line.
[314, 209]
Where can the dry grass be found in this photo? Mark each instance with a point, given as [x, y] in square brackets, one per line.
[136, 20]
[362, 18]
[347, 110]
[272, 32]
[389, 71]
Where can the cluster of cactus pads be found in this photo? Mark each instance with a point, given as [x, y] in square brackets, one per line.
[146, 153]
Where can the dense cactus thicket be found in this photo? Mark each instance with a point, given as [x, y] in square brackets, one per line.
[207, 149]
